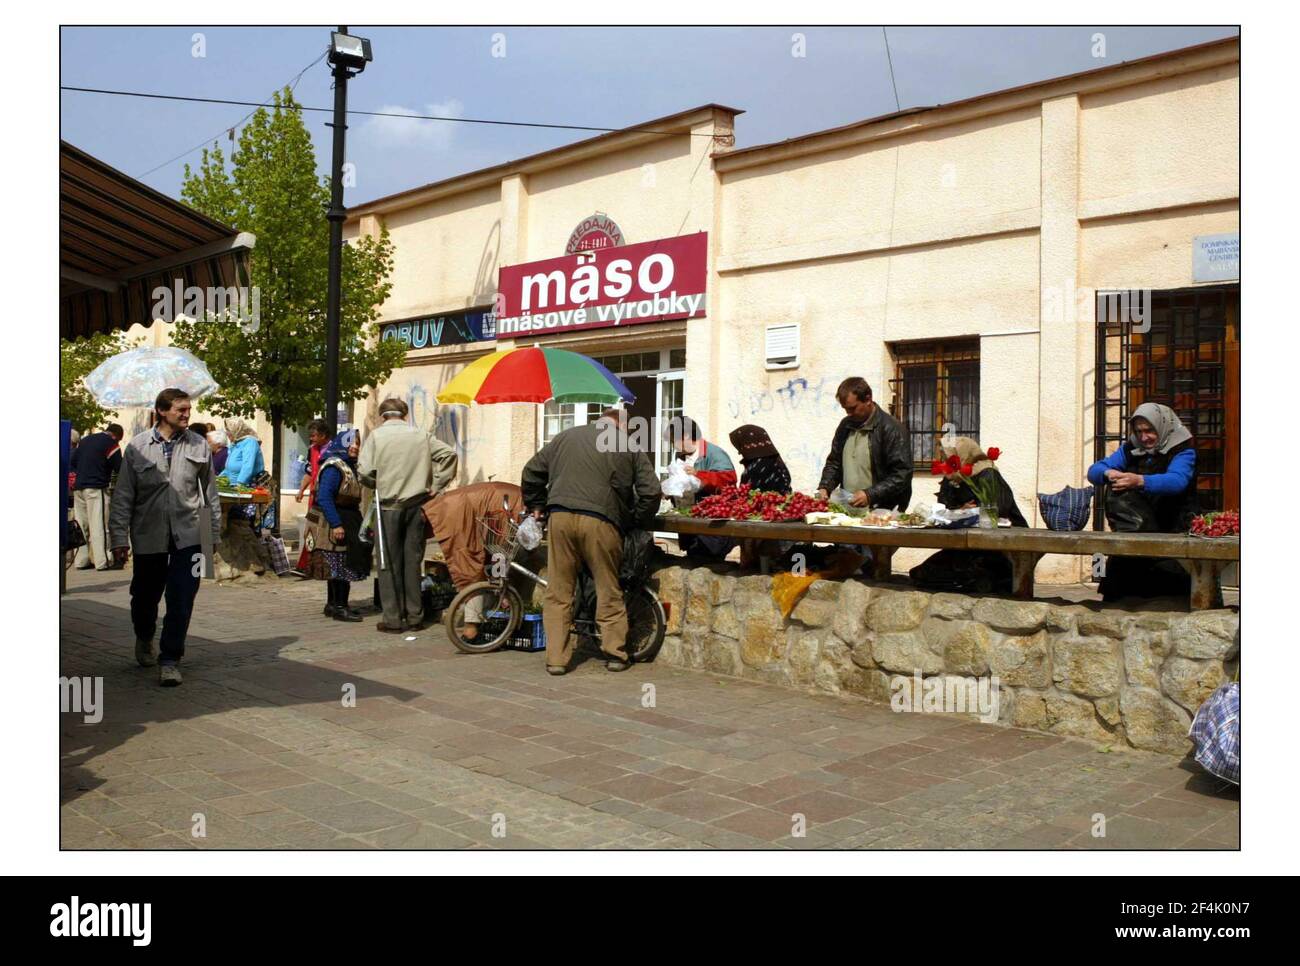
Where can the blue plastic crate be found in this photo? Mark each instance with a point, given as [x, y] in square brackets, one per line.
[530, 635]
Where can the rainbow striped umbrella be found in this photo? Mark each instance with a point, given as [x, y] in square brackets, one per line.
[535, 375]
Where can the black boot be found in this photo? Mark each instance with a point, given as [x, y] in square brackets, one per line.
[332, 598]
[342, 612]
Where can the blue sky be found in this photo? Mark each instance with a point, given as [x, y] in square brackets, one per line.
[608, 77]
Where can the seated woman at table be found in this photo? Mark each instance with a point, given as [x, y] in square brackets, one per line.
[970, 571]
[1149, 485]
[244, 462]
[763, 469]
[334, 526]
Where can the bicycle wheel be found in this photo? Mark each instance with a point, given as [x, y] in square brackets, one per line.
[646, 624]
[496, 611]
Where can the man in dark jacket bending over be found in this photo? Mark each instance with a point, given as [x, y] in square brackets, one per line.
[871, 454]
[594, 486]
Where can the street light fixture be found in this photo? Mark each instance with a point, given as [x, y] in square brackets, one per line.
[349, 51]
[348, 55]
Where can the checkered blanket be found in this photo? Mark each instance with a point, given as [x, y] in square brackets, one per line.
[1216, 732]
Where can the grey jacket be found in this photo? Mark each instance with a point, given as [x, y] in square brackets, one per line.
[150, 505]
[576, 471]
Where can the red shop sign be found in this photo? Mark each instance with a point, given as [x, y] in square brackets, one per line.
[646, 282]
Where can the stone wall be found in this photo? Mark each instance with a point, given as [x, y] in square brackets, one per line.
[1116, 676]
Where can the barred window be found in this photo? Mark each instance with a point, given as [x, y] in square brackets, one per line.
[936, 388]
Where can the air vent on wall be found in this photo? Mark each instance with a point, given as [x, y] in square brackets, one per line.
[782, 346]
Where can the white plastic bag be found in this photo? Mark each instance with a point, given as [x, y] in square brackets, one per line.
[679, 482]
[530, 533]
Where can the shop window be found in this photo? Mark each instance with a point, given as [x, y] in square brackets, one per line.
[936, 389]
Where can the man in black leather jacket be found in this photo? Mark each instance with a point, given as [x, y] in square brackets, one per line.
[871, 453]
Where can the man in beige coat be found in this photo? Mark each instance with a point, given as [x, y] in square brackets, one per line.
[405, 466]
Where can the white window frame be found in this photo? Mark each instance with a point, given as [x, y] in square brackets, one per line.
[580, 410]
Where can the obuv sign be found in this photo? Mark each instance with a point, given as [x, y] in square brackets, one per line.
[629, 285]
[457, 328]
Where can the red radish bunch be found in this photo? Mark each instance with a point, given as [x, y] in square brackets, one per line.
[745, 503]
[1224, 523]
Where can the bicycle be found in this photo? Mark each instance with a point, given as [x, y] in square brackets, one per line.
[495, 608]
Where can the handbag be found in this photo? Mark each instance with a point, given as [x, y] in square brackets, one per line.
[73, 537]
[275, 551]
[1067, 509]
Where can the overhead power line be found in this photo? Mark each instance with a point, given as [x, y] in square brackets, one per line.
[410, 117]
[291, 85]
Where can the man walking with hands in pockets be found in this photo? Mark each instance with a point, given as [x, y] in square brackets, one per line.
[405, 466]
[163, 488]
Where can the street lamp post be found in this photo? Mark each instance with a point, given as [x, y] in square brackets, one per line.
[348, 56]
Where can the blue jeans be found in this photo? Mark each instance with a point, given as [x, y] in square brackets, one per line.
[174, 574]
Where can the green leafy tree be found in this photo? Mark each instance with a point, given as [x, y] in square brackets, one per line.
[78, 358]
[276, 363]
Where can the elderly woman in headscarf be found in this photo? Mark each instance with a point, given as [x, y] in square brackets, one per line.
[1149, 485]
[763, 469]
[244, 462]
[1152, 476]
[971, 571]
[334, 526]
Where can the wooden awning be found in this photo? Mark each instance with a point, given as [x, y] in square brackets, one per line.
[119, 240]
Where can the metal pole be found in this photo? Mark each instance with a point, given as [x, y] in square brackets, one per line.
[336, 216]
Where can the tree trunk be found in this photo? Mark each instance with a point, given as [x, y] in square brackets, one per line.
[277, 459]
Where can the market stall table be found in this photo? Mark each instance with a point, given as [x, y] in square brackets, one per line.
[1204, 559]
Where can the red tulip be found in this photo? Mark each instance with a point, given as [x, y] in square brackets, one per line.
[967, 469]
[938, 468]
[993, 453]
[954, 463]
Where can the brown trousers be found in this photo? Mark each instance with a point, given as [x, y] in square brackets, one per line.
[574, 539]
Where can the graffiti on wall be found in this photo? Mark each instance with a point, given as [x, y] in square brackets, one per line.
[448, 423]
[799, 396]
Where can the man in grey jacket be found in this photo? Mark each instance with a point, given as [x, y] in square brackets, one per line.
[405, 466]
[595, 486]
[166, 492]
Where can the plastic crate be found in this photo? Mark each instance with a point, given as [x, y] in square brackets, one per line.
[530, 635]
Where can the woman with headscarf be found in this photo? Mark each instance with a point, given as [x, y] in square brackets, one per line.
[1149, 486]
[1152, 476]
[763, 467]
[244, 462]
[971, 571]
[334, 526]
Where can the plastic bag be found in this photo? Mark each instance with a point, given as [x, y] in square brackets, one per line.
[530, 533]
[679, 482]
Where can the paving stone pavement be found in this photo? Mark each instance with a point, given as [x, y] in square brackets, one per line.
[444, 750]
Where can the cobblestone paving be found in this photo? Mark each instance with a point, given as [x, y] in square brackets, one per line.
[444, 750]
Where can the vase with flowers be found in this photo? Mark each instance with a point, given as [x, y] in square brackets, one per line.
[985, 490]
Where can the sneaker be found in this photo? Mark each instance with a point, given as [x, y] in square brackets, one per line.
[555, 670]
[144, 653]
[617, 664]
[346, 614]
[169, 675]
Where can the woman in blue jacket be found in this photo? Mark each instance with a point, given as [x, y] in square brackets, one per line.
[1150, 484]
[338, 554]
[244, 461]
